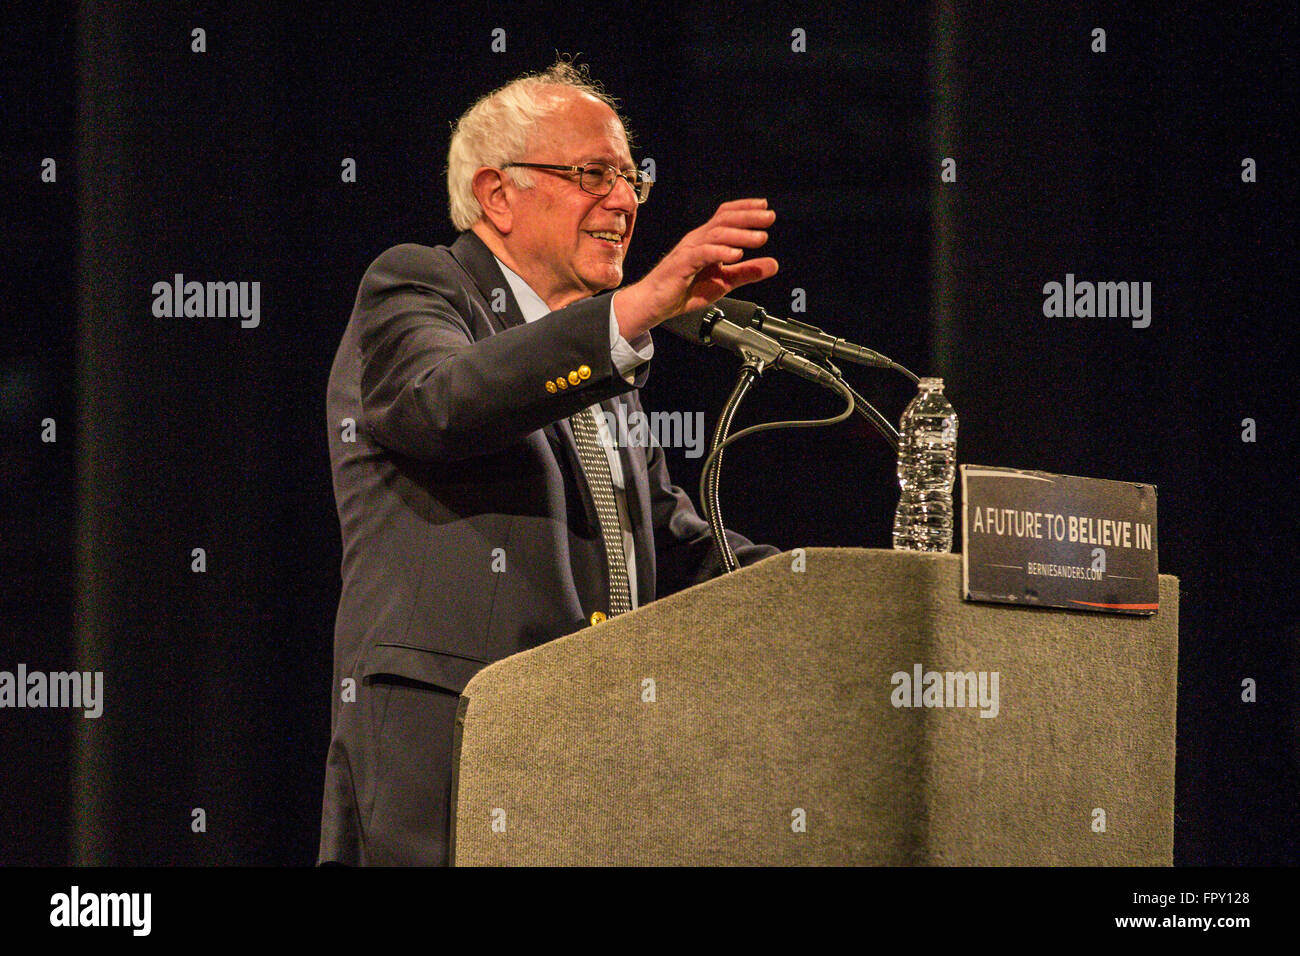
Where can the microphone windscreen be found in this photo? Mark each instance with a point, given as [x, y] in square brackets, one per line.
[686, 326]
[692, 326]
[737, 311]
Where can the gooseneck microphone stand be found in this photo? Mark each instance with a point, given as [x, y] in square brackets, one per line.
[750, 370]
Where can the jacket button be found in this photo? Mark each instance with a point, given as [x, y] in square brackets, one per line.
[561, 383]
[550, 387]
[584, 371]
[573, 378]
[597, 617]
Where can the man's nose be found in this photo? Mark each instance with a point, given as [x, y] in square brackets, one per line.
[622, 196]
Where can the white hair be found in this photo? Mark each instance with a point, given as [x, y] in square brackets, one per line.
[499, 127]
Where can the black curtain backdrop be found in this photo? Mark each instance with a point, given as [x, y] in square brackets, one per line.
[176, 434]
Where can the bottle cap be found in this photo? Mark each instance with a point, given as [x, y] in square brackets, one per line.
[931, 384]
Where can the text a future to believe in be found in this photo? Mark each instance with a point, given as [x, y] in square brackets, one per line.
[1076, 529]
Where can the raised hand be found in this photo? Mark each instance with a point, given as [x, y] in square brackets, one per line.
[706, 265]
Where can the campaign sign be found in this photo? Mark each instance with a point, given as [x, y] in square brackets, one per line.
[1058, 541]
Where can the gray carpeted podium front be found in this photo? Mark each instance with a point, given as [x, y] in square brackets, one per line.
[752, 720]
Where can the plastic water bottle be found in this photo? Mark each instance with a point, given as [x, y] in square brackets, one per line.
[927, 464]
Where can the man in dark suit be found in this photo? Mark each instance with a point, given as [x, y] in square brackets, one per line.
[484, 508]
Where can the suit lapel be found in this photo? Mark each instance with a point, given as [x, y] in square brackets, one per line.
[476, 259]
[473, 256]
[560, 435]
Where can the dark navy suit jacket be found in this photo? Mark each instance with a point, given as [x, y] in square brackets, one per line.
[469, 533]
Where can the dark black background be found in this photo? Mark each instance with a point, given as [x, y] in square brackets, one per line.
[175, 434]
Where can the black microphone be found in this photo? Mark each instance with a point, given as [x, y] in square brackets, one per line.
[798, 335]
[727, 323]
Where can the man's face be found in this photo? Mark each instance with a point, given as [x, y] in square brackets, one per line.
[552, 236]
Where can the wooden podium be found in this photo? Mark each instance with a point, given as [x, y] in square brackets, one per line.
[754, 719]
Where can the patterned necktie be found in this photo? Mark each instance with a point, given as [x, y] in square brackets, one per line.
[591, 453]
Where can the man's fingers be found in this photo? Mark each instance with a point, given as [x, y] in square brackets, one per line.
[709, 262]
[731, 236]
[751, 270]
[710, 254]
[742, 204]
[739, 223]
[716, 244]
[757, 219]
[757, 215]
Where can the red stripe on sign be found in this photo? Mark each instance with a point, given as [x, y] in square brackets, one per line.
[1121, 607]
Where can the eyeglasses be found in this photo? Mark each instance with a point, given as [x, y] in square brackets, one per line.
[598, 179]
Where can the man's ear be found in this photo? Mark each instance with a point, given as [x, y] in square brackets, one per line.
[490, 191]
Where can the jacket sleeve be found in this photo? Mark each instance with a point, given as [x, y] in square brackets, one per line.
[433, 393]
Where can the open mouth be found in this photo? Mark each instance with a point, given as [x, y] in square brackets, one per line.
[612, 239]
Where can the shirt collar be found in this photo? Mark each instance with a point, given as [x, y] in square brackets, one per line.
[530, 303]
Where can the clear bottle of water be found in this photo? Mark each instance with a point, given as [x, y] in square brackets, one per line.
[927, 465]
